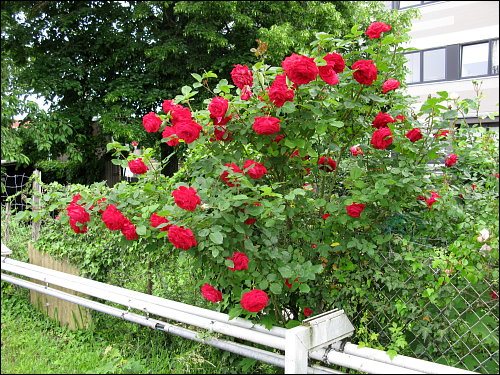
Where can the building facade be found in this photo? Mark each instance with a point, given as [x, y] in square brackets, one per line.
[457, 44]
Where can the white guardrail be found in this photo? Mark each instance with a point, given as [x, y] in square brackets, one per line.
[322, 337]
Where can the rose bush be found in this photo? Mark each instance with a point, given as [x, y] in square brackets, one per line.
[293, 173]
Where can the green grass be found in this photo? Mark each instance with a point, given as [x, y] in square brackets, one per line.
[34, 344]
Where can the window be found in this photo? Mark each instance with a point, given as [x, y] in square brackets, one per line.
[434, 65]
[453, 62]
[409, 4]
[413, 64]
[475, 59]
[426, 66]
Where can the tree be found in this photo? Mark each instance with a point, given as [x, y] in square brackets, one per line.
[119, 60]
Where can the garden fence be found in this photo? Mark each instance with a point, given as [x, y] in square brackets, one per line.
[458, 327]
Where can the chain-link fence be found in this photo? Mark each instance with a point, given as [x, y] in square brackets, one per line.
[455, 323]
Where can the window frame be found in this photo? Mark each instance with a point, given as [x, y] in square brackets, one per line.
[453, 61]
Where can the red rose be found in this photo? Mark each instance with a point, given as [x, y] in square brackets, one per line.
[430, 201]
[221, 134]
[355, 209]
[151, 122]
[128, 230]
[300, 69]
[188, 130]
[327, 164]
[381, 138]
[168, 105]
[240, 261]
[451, 160]
[158, 220]
[169, 133]
[288, 284]
[414, 135]
[493, 294]
[376, 28]
[180, 114]
[400, 117]
[326, 216]
[250, 221]
[266, 125]
[186, 198]
[254, 301]
[76, 228]
[76, 198]
[390, 84]
[77, 213]
[210, 293]
[366, 72]
[181, 238]
[279, 93]
[328, 75]
[307, 311]
[218, 107]
[242, 76]
[246, 93]
[356, 150]
[336, 61]
[225, 175]
[137, 166]
[257, 171]
[442, 133]
[113, 218]
[381, 120]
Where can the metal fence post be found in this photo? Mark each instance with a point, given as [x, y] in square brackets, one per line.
[297, 350]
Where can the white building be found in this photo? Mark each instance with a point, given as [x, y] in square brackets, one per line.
[457, 43]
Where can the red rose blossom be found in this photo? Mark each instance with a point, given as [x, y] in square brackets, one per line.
[366, 71]
[327, 72]
[181, 238]
[171, 137]
[381, 120]
[279, 93]
[326, 216]
[442, 134]
[254, 301]
[327, 164]
[390, 84]
[400, 118]
[167, 106]
[242, 76]
[257, 171]
[451, 160]
[430, 201]
[355, 209]
[246, 93]
[128, 230]
[240, 261]
[218, 107]
[180, 114]
[250, 221]
[137, 166]
[210, 293]
[189, 130]
[336, 61]
[307, 311]
[156, 221]
[414, 135]
[113, 218]
[266, 125]
[300, 69]
[356, 150]
[186, 198]
[382, 138]
[225, 175]
[151, 122]
[376, 28]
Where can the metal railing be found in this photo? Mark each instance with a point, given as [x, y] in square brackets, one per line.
[322, 337]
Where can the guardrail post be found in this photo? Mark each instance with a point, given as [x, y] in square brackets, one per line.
[315, 332]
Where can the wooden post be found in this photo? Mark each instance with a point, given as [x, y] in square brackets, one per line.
[6, 231]
[37, 191]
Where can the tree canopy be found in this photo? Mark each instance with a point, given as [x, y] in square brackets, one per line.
[116, 61]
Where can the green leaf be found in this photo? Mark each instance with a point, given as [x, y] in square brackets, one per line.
[197, 77]
[216, 237]
[355, 173]
[141, 230]
[186, 90]
[275, 288]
